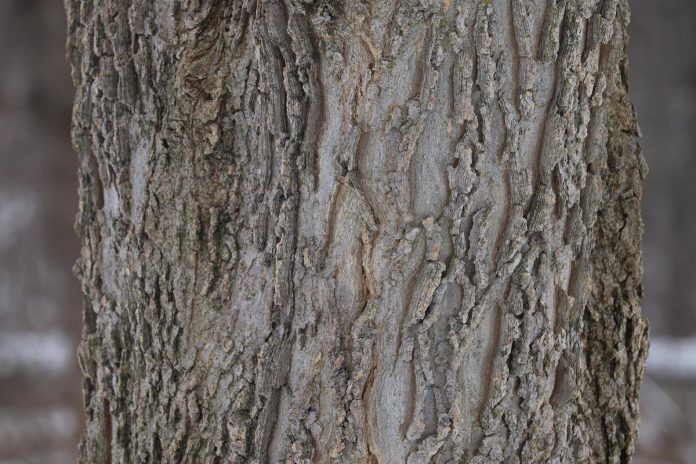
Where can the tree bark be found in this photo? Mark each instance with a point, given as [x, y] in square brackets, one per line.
[369, 231]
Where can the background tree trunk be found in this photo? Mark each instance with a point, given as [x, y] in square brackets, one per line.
[370, 231]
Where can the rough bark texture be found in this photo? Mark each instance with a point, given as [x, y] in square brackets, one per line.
[369, 231]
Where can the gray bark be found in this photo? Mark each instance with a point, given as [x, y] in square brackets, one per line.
[370, 231]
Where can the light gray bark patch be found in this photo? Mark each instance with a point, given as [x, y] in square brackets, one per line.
[139, 174]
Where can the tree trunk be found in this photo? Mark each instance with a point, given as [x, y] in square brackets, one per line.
[367, 231]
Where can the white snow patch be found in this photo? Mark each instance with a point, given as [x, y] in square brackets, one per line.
[37, 426]
[17, 211]
[44, 354]
[672, 357]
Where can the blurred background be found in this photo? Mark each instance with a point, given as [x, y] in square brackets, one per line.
[40, 303]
